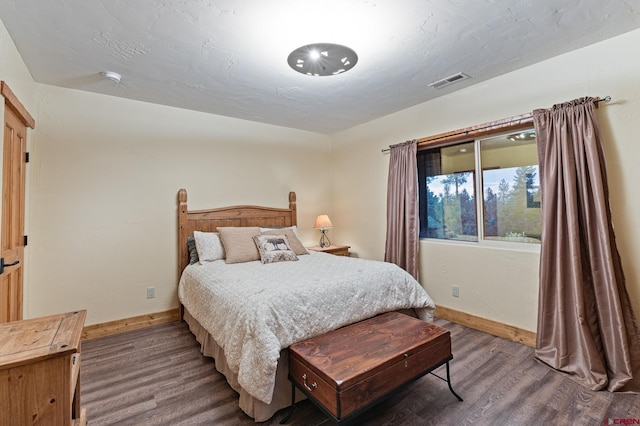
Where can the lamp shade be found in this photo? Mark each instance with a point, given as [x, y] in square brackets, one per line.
[322, 222]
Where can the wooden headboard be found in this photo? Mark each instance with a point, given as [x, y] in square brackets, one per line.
[209, 220]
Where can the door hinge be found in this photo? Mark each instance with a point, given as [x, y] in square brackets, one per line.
[26, 157]
[25, 240]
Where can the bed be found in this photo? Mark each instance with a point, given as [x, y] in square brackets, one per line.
[245, 312]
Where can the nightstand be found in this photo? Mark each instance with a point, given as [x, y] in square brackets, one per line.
[336, 249]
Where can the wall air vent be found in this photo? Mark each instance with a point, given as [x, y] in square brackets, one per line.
[448, 80]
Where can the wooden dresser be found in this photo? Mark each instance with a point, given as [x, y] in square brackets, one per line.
[40, 371]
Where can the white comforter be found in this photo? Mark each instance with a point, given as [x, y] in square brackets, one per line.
[254, 310]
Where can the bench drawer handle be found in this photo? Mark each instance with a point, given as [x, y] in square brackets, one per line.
[314, 385]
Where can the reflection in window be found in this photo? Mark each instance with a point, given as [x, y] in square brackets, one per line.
[447, 198]
[508, 180]
[511, 188]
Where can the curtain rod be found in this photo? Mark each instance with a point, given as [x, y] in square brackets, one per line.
[488, 126]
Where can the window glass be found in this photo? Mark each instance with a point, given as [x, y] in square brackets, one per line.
[503, 169]
[511, 188]
[448, 201]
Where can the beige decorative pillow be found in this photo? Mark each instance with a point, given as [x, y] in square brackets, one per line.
[209, 246]
[238, 243]
[274, 248]
[294, 242]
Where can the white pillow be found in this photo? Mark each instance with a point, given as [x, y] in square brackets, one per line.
[209, 246]
[294, 228]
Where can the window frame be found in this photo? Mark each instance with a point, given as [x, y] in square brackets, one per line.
[479, 185]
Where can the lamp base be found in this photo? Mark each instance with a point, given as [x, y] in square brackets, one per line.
[324, 240]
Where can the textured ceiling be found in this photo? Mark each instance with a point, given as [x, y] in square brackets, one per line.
[229, 57]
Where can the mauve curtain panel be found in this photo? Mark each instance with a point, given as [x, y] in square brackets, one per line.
[586, 324]
[401, 246]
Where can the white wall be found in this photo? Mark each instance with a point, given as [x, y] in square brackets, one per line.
[14, 71]
[499, 284]
[105, 174]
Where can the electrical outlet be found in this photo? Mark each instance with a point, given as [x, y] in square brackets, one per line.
[151, 292]
[455, 291]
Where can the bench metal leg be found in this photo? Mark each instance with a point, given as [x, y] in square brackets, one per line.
[448, 380]
[449, 383]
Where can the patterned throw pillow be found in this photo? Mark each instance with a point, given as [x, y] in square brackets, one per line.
[274, 248]
[209, 246]
[294, 242]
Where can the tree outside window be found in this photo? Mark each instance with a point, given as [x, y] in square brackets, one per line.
[510, 207]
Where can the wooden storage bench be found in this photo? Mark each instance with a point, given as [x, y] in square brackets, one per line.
[347, 370]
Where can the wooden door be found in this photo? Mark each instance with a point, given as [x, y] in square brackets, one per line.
[16, 120]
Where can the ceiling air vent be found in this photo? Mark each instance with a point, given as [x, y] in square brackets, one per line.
[448, 80]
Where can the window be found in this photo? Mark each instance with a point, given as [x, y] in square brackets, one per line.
[447, 192]
[504, 169]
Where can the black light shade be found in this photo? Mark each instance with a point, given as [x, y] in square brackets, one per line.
[321, 59]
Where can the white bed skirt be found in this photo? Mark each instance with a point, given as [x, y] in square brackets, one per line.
[253, 407]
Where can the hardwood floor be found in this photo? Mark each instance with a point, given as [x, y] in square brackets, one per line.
[157, 376]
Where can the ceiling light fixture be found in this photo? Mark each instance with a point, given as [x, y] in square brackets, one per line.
[113, 76]
[321, 59]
